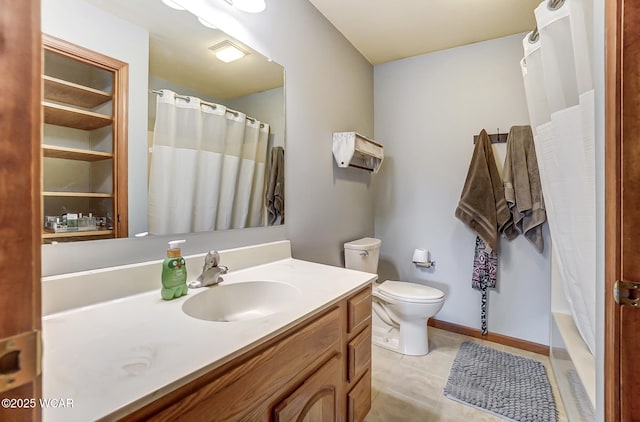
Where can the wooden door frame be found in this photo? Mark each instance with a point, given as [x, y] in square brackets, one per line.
[612, 206]
[20, 179]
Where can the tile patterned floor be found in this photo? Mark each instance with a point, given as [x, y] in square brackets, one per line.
[410, 388]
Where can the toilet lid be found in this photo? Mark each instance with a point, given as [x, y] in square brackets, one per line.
[410, 292]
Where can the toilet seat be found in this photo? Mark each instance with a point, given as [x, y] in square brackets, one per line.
[409, 292]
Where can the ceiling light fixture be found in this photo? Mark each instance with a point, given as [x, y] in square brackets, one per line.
[227, 52]
[172, 4]
[249, 6]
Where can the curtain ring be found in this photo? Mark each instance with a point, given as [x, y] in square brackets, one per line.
[534, 36]
[555, 4]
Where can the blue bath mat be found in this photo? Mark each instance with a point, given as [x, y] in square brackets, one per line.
[511, 387]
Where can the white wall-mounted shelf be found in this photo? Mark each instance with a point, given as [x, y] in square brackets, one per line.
[351, 149]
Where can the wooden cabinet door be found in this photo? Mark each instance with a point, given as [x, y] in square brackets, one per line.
[316, 400]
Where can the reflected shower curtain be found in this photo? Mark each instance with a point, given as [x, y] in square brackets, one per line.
[230, 169]
[172, 177]
[200, 153]
[245, 174]
[209, 174]
[558, 84]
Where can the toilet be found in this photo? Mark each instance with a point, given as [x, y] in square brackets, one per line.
[400, 308]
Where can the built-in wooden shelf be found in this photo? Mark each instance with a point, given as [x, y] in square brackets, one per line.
[61, 115]
[70, 93]
[87, 91]
[77, 194]
[53, 151]
[48, 235]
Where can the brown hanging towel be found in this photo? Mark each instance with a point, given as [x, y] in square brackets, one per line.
[274, 196]
[522, 187]
[483, 208]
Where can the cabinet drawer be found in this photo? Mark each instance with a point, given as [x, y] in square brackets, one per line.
[242, 390]
[359, 354]
[359, 309]
[359, 399]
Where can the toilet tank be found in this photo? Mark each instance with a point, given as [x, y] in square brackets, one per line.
[362, 254]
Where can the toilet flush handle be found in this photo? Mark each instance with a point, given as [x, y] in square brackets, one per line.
[364, 253]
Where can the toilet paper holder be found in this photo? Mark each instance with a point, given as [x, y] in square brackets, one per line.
[425, 264]
[421, 259]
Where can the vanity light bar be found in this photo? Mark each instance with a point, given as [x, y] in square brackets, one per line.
[206, 23]
[249, 6]
[173, 4]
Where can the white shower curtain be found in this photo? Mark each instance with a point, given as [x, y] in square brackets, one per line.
[558, 84]
[201, 153]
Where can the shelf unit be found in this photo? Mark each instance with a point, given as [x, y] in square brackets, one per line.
[54, 151]
[89, 234]
[84, 138]
[77, 194]
[70, 93]
[61, 115]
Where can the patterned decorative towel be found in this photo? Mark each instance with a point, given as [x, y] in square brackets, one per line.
[485, 268]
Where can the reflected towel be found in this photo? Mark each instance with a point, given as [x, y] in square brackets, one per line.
[482, 206]
[522, 187]
[275, 187]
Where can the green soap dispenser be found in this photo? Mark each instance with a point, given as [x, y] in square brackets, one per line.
[174, 273]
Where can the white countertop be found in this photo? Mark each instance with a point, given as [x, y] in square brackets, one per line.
[114, 357]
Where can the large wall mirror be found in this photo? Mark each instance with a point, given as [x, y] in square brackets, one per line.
[210, 155]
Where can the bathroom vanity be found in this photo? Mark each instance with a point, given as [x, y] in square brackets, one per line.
[306, 353]
[319, 369]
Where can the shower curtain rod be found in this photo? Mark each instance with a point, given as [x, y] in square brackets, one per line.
[187, 99]
[552, 5]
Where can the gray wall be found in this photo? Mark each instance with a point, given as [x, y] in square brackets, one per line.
[427, 109]
[329, 87]
[266, 106]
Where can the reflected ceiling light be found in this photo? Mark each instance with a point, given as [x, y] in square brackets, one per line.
[173, 4]
[249, 6]
[207, 24]
[227, 52]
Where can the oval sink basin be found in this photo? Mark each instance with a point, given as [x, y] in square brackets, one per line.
[241, 301]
